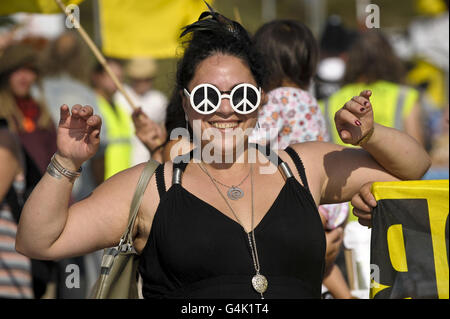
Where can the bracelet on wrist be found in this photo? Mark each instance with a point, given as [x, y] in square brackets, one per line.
[56, 170]
[366, 138]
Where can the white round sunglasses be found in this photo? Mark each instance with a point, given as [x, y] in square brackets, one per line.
[205, 98]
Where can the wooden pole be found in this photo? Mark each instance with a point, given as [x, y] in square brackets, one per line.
[96, 52]
[101, 59]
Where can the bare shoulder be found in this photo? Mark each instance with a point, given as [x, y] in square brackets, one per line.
[121, 184]
[108, 206]
[118, 189]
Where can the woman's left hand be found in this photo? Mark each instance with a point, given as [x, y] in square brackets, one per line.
[363, 204]
[355, 119]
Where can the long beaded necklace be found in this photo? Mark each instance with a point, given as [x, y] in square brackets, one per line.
[259, 281]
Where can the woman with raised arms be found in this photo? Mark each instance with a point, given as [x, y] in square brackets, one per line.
[209, 227]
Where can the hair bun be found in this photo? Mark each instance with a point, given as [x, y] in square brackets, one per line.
[213, 21]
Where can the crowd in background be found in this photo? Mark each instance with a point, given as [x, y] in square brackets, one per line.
[37, 76]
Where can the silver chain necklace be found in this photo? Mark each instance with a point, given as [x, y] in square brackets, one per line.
[259, 282]
[234, 191]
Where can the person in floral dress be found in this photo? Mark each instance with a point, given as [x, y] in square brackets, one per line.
[291, 114]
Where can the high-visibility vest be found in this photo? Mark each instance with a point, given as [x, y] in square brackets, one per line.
[391, 104]
[118, 135]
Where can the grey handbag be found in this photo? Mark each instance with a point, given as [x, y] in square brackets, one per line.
[118, 276]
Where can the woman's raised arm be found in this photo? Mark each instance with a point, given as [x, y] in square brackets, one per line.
[48, 227]
[387, 154]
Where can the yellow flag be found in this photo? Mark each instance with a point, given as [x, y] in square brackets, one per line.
[409, 244]
[32, 6]
[137, 28]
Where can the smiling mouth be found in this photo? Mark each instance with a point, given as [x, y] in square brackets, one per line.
[224, 125]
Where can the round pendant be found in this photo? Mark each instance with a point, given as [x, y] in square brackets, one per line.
[234, 193]
[259, 283]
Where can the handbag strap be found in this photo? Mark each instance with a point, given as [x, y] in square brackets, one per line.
[147, 173]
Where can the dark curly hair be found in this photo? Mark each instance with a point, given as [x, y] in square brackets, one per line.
[211, 34]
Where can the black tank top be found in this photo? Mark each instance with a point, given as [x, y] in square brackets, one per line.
[195, 251]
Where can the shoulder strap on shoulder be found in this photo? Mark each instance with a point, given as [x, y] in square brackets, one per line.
[160, 182]
[147, 173]
[179, 165]
[268, 152]
[298, 164]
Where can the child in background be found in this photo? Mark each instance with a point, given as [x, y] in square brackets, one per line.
[291, 115]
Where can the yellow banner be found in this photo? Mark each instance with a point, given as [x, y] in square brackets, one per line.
[32, 6]
[136, 28]
[409, 248]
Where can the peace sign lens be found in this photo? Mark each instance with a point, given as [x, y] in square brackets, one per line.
[205, 98]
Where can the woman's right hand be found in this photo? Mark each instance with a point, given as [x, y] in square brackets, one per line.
[149, 133]
[78, 135]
